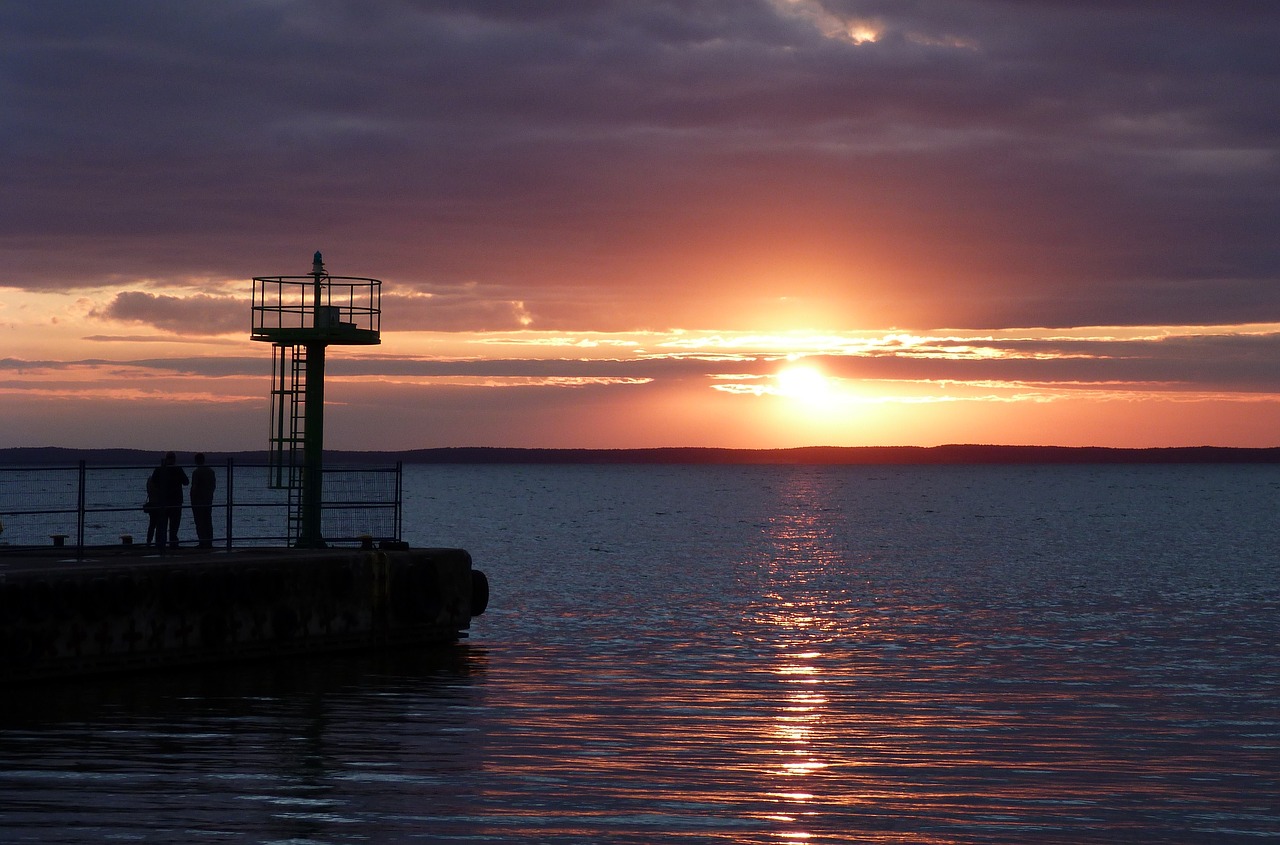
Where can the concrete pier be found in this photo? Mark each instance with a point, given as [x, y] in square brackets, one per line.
[119, 610]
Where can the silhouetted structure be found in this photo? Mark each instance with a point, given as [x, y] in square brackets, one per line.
[301, 316]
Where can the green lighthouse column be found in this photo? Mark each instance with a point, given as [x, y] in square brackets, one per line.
[309, 535]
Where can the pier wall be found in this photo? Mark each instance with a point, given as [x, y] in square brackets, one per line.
[68, 618]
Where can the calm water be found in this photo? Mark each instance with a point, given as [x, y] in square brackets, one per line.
[739, 655]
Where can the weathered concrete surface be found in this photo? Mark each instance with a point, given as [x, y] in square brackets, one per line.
[119, 609]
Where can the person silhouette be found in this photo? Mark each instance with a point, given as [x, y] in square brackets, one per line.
[169, 479]
[203, 483]
[155, 521]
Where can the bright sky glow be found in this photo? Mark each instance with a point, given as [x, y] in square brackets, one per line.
[861, 33]
[764, 223]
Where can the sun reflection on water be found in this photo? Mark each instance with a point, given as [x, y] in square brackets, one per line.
[877, 669]
[790, 619]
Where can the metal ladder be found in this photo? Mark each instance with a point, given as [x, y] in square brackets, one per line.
[288, 426]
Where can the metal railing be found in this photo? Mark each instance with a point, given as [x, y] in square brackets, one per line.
[89, 506]
[345, 309]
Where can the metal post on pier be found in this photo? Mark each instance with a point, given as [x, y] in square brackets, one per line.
[80, 499]
[230, 493]
[399, 517]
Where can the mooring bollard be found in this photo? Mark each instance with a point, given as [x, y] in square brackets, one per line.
[58, 539]
[126, 539]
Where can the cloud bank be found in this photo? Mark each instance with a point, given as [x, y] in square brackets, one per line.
[619, 166]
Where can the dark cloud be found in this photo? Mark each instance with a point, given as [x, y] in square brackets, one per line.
[1245, 363]
[208, 367]
[452, 308]
[1240, 364]
[199, 314]
[980, 163]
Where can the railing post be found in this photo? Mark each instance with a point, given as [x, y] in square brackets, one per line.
[399, 499]
[231, 486]
[80, 513]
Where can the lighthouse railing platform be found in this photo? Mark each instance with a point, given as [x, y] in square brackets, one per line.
[86, 506]
[344, 310]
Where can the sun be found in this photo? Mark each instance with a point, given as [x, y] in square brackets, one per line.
[803, 382]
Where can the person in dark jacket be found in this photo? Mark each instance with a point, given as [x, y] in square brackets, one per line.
[170, 479]
[155, 520]
[203, 483]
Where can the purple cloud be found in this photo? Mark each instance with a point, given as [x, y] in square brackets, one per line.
[199, 314]
[975, 164]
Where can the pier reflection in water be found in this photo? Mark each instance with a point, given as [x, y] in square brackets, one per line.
[736, 654]
[263, 752]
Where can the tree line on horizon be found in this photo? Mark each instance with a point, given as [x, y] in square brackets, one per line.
[813, 455]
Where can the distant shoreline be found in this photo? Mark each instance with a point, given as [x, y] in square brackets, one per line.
[958, 454]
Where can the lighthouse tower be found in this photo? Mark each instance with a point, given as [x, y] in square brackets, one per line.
[301, 316]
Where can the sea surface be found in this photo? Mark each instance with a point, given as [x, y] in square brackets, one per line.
[737, 655]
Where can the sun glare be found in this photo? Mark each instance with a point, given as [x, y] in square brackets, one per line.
[804, 383]
[863, 34]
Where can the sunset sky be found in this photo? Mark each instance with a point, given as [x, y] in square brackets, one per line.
[617, 223]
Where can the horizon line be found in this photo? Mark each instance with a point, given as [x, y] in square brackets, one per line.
[953, 453]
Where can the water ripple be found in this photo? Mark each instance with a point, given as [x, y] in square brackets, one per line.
[745, 655]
